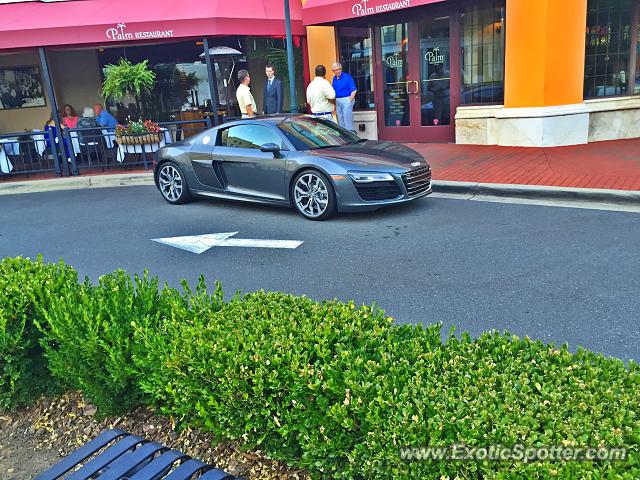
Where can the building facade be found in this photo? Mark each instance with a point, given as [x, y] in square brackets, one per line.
[68, 44]
[501, 72]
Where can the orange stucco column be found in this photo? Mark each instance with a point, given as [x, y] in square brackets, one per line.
[545, 48]
[321, 43]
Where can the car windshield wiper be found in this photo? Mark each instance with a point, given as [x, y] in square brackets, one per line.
[358, 140]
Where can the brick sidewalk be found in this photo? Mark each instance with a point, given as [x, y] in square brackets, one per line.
[610, 165]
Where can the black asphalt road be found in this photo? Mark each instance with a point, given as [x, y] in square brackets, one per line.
[557, 274]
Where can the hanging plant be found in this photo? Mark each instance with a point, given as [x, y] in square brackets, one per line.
[126, 78]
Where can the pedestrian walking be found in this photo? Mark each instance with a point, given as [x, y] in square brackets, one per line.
[320, 95]
[346, 90]
[243, 94]
[273, 92]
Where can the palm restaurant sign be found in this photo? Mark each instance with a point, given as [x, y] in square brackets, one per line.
[120, 32]
[362, 8]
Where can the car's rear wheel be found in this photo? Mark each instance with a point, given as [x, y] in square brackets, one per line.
[313, 195]
[173, 184]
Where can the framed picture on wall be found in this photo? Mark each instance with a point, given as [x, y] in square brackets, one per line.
[21, 87]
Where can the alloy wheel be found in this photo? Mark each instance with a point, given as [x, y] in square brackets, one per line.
[311, 195]
[170, 181]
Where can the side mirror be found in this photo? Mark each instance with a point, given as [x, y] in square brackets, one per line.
[270, 148]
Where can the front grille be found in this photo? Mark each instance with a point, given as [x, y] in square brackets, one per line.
[417, 181]
[378, 190]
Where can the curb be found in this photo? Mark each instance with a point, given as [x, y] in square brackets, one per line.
[538, 192]
[76, 183]
[470, 189]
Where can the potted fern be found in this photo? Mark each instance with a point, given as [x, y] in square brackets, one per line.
[128, 81]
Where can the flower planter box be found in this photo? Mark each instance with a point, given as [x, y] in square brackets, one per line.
[139, 139]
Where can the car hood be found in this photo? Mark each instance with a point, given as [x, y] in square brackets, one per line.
[373, 154]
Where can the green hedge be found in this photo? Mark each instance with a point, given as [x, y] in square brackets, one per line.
[26, 289]
[335, 388]
[88, 336]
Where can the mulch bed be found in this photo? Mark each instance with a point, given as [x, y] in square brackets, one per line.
[34, 438]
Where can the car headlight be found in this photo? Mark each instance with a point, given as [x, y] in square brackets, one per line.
[364, 177]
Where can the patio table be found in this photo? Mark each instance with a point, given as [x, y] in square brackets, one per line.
[8, 146]
[41, 143]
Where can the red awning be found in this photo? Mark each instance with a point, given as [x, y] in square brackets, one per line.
[317, 12]
[34, 24]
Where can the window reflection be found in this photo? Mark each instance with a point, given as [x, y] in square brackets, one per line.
[482, 42]
[435, 58]
[395, 74]
[608, 47]
[355, 56]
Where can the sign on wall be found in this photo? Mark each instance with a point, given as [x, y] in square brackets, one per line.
[362, 8]
[120, 32]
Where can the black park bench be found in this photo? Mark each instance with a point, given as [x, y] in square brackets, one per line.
[116, 455]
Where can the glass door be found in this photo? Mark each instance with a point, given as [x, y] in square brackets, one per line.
[416, 62]
[394, 50]
[435, 73]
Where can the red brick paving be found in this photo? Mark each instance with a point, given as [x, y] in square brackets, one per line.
[611, 165]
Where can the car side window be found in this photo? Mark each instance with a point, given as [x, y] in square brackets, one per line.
[248, 136]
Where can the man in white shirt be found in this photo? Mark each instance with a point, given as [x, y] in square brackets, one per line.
[246, 102]
[320, 95]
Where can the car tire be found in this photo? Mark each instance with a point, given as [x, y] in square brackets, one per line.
[312, 194]
[172, 183]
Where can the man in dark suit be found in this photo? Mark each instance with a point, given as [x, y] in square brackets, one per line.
[273, 92]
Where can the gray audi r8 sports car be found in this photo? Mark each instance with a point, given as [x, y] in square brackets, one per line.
[312, 164]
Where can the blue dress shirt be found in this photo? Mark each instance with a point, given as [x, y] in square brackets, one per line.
[344, 86]
[105, 119]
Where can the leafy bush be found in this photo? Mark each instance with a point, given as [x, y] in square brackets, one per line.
[27, 288]
[331, 387]
[88, 336]
[338, 390]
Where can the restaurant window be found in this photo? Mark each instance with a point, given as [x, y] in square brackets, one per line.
[181, 90]
[482, 42]
[355, 56]
[611, 50]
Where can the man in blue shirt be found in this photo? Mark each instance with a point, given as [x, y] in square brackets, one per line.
[346, 91]
[104, 118]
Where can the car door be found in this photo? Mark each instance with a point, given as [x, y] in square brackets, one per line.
[246, 169]
[206, 170]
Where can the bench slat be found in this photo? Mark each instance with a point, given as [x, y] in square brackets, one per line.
[158, 466]
[84, 452]
[104, 459]
[216, 474]
[130, 460]
[186, 470]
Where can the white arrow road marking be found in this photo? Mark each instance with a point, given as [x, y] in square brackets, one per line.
[201, 243]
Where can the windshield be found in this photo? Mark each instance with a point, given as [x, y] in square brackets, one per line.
[307, 133]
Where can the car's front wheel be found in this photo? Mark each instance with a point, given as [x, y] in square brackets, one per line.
[313, 195]
[172, 184]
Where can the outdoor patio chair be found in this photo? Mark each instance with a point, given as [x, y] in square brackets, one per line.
[116, 454]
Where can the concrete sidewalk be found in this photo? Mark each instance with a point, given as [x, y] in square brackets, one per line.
[607, 172]
[613, 165]
[73, 183]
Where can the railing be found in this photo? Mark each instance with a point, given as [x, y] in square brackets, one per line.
[26, 153]
[84, 150]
